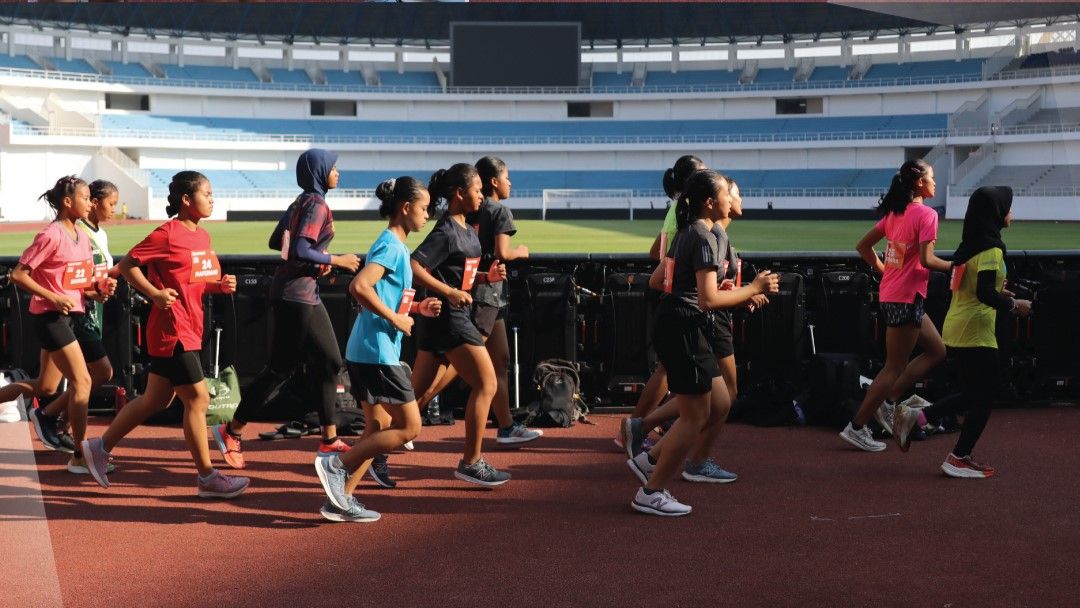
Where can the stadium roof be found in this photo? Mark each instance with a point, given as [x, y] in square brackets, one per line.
[616, 22]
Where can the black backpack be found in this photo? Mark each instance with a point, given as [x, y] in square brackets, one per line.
[558, 403]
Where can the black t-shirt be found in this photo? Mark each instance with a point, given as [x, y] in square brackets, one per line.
[726, 252]
[446, 251]
[491, 220]
[695, 248]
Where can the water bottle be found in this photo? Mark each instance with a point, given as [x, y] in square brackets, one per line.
[433, 408]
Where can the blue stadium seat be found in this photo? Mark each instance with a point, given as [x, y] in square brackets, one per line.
[408, 79]
[341, 77]
[128, 70]
[611, 79]
[771, 75]
[691, 78]
[829, 72]
[283, 75]
[79, 66]
[21, 62]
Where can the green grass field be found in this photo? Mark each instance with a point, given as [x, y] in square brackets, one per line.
[599, 236]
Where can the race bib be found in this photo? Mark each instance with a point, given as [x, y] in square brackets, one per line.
[957, 276]
[285, 245]
[101, 271]
[469, 274]
[78, 275]
[894, 254]
[406, 301]
[205, 267]
[669, 274]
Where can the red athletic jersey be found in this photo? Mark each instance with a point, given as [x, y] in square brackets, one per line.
[183, 260]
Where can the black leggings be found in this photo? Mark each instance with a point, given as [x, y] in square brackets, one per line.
[302, 332]
[978, 375]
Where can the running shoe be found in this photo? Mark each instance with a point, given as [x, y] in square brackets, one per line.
[222, 486]
[955, 466]
[861, 438]
[905, 419]
[45, 426]
[517, 433]
[355, 513]
[481, 473]
[660, 503]
[640, 466]
[95, 460]
[337, 447]
[380, 472]
[333, 476]
[707, 472]
[884, 415]
[229, 445]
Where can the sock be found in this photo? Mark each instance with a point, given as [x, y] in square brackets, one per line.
[208, 477]
[649, 492]
[921, 420]
[890, 403]
[855, 426]
[330, 441]
[652, 460]
[232, 433]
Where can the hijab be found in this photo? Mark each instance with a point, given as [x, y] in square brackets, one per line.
[983, 221]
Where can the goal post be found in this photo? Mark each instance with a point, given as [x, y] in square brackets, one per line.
[555, 199]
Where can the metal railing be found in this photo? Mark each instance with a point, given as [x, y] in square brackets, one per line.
[475, 140]
[1062, 191]
[56, 76]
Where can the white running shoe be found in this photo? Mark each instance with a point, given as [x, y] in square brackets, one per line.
[641, 466]
[884, 415]
[660, 503]
[861, 439]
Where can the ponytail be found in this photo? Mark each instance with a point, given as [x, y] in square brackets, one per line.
[902, 188]
[675, 178]
[392, 193]
[63, 188]
[184, 182]
[699, 187]
[444, 182]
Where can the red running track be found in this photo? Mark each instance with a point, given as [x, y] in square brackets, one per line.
[811, 522]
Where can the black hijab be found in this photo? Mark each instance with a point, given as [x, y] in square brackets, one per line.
[983, 222]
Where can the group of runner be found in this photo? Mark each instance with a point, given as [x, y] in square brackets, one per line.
[449, 293]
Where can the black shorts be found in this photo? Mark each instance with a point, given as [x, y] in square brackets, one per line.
[53, 330]
[682, 345]
[485, 316]
[184, 367]
[720, 337]
[93, 350]
[451, 329]
[899, 314]
[376, 383]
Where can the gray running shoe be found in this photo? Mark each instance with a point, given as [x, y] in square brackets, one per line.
[355, 513]
[708, 472]
[481, 473]
[332, 475]
[861, 439]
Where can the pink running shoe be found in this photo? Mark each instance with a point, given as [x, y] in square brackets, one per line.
[222, 486]
[334, 448]
[229, 445]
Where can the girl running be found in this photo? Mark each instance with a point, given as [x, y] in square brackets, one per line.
[302, 328]
[446, 264]
[910, 228]
[380, 381]
[674, 182]
[87, 329]
[57, 269]
[181, 267]
[689, 276]
[978, 296]
[494, 225]
[701, 467]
